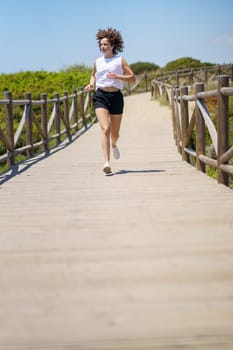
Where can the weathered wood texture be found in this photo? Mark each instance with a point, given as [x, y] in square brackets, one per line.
[139, 260]
[68, 114]
[190, 131]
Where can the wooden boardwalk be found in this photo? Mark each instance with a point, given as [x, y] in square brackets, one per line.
[139, 260]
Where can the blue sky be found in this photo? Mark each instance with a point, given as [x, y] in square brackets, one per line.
[54, 34]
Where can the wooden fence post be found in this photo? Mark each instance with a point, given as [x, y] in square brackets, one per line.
[29, 132]
[206, 76]
[75, 104]
[177, 119]
[173, 107]
[146, 81]
[9, 120]
[200, 130]
[222, 126]
[81, 101]
[129, 88]
[44, 120]
[177, 78]
[152, 90]
[66, 114]
[184, 121]
[90, 104]
[191, 77]
[156, 90]
[57, 118]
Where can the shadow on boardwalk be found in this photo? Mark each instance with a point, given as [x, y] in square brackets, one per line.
[140, 261]
[19, 168]
[122, 172]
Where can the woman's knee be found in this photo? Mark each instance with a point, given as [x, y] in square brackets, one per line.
[105, 129]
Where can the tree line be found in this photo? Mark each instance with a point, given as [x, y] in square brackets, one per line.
[74, 77]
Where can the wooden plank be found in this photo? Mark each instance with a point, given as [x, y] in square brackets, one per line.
[138, 260]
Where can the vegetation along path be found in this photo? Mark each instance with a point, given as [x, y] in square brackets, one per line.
[141, 259]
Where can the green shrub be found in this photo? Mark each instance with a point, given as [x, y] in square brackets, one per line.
[142, 67]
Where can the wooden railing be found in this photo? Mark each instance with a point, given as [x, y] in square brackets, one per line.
[193, 121]
[189, 76]
[141, 85]
[36, 126]
[42, 124]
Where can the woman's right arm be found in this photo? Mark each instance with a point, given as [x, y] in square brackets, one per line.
[91, 85]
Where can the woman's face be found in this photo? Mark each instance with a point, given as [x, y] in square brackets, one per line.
[105, 47]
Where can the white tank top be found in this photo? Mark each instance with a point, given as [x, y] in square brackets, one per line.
[106, 65]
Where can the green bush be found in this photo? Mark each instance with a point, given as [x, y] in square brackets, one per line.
[142, 67]
[43, 82]
[185, 62]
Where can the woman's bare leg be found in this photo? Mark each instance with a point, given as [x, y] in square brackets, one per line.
[115, 127]
[105, 125]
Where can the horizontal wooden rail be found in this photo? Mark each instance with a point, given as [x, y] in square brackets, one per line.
[43, 123]
[141, 85]
[189, 76]
[190, 132]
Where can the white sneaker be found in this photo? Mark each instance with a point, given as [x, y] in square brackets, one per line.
[116, 152]
[107, 168]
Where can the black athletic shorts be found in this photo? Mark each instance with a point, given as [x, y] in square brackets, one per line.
[111, 100]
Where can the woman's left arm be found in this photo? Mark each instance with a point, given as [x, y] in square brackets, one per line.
[128, 75]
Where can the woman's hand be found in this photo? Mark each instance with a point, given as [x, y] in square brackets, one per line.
[89, 87]
[111, 75]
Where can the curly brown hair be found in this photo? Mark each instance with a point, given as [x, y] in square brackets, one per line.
[114, 37]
